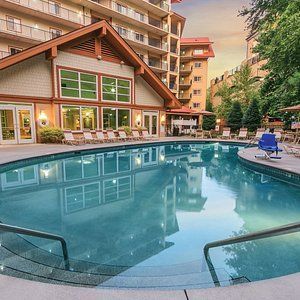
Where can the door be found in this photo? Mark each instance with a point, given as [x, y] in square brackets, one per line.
[16, 125]
[8, 133]
[151, 122]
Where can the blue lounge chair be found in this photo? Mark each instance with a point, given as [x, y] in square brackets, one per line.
[269, 145]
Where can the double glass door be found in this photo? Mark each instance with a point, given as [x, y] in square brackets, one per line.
[151, 122]
[16, 124]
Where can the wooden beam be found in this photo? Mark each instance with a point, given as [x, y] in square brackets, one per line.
[102, 32]
[139, 71]
[51, 53]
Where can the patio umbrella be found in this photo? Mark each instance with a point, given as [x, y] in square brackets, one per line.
[206, 113]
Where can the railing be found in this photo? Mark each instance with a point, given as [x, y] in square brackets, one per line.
[272, 232]
[140, 38]
[40, 234]
[25, 31]
[53, 9]
[4, 54]
[157, 64]
[184, 96]
[186, 82]
[173, 86]
[161, 4]
[131, 13]
[186, 69]
[173, 68]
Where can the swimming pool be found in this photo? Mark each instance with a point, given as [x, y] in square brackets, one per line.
[140, 217]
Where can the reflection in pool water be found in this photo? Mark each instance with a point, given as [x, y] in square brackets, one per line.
[157, 206]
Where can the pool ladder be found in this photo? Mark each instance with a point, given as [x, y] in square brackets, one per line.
[272, 232]
[40, 234]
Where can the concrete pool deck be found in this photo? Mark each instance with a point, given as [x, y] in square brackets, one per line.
[286, 287]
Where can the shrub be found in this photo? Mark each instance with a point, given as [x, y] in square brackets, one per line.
[235, 116]
[126, 129]
[51, 135]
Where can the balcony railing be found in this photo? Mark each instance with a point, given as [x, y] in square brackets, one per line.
[174, 50]
[173, 86]
[157, 64]
[4, 54]
[174, 68]
[186, 82]
[25, 31]
[140, 38]
[53, 9]
[131, 13]
[186, 68]
[161, 4]
[184, 96]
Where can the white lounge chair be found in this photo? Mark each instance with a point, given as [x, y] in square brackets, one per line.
[146, 135]
[100, 136]
[136, 135]
[111, 136]
[278, 134]
[243, 134]
[123, 135]
[226, 133]
[70, 139]
[88, 137]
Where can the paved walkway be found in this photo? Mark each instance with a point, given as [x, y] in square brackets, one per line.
[287, 287]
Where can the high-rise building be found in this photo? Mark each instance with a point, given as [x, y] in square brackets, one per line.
[149, 26]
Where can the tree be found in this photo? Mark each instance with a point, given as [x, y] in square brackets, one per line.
[209, 122]
[245, 87]
[225, 93]
[235, 116]
[278, 24]
[252, 117]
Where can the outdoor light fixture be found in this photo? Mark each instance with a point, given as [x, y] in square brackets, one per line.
[138, 120]
[43, 119]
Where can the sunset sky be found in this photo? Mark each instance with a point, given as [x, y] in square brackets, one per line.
[217, 19]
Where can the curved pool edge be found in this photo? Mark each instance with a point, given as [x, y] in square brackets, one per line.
[286, 287]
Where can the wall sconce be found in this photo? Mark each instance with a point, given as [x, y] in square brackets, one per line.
[163, 120]
[99, 57]
[218, 121]
[138, 120]
[43, 119]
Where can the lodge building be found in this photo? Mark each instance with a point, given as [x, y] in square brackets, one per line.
[89, 78]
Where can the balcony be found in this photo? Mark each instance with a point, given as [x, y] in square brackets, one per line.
[157, 7]
[175, 30]
[185, 70]
[185, 84]
[156, 65]
[24, 33]
[173, 86]
[173, 68]
[139, 39]
[4, 54]
[48, 10]
[184, 97]
[174, 50]
[161, 4]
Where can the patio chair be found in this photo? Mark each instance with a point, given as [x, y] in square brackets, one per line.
[111, 136]
[88, 137]
[146, 135]
[243, 134]
[69, 139]
[226, 133]
[100, 136]
[278, 134]
[123, 135]
[292, 150]
[136, 135]
[269, 145]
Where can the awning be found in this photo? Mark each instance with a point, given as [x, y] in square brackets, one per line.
[291, 108]
[187, 111]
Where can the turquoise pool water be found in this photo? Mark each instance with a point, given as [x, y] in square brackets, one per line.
[157, 206]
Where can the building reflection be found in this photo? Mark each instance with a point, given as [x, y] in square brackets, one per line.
[115, 208]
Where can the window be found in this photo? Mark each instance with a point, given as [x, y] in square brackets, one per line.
[121, 30]
[121, 9]
[78, 85]
[13, 24]
[197, 78]
[196, 105]
[198, 65]
[139, 16]
[139, 37]
[198, 51]
[115, 118]
[114, 89]
[197, 92]
[79, 118]
[14, 50]
[54, 8]
[54, 33]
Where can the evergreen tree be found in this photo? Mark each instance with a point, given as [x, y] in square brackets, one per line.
[209, 122]
[252, 117]
[235, 116]
[225, 93]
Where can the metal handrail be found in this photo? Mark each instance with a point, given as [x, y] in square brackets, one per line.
[272, 232]
[40, 234]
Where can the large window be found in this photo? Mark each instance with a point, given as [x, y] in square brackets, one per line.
[115, 118]
[79, 118]
[78, 85]
[114, 89]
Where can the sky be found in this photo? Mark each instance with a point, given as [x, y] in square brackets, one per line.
[218, 20]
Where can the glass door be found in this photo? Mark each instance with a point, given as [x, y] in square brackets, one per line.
[151, 122]
[24, 125]
[8, 134]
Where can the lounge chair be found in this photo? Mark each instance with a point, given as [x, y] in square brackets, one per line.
[146, 135]
[88, 137]
[278, 134]
[292, 150]
[70, 139]
[243, 134]
[136, 135]
[226, 133]
[269, 145]
[111, 136]
[259, 134]
[100, 136]
[123, 136]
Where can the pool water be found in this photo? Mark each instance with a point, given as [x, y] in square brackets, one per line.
[157, 206]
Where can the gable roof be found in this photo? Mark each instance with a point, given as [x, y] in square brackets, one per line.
[100, 29]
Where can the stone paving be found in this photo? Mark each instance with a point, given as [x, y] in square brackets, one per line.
[18, 289]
